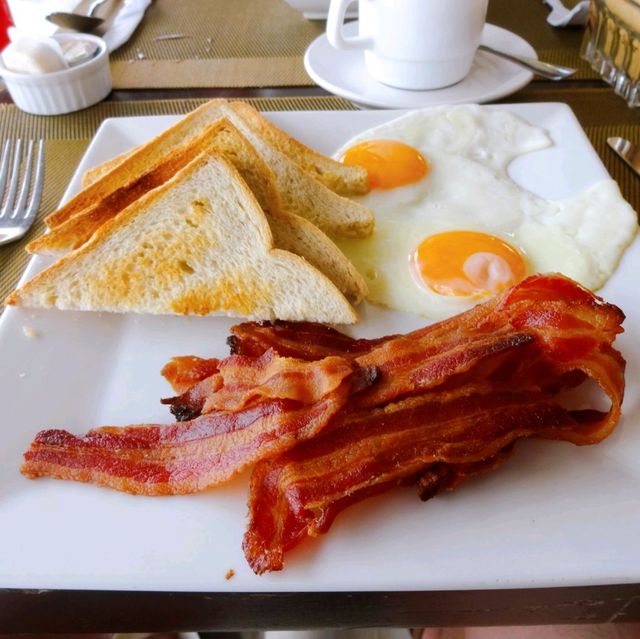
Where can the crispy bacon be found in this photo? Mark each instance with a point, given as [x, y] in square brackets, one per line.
[304, 340]
[451, 397]
[248, 380]
[541, 307]
[329, 420]
[208, 450]
[564, 319]
[307, 341]
[179, 458]
[242, 381]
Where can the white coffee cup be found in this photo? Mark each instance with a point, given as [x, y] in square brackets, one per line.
[413, 44]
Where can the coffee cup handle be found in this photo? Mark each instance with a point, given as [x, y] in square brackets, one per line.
[335, 20]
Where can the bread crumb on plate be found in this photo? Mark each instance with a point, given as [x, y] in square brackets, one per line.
[29, 332]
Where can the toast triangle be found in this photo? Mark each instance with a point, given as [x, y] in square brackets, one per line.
[200, 244]
[218, 137]
[339, 178]
[300, 192]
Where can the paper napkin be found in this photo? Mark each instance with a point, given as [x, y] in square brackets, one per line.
[561, 16]
[29, 16]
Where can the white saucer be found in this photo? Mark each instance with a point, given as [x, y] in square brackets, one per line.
[344, 73]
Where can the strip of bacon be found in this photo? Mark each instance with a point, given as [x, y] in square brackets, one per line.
[248, 380]
[211, 449]
[188, 375]
[242, 381]
[179, 458]
[361, 454]
[421, 359]
[304, 340]
[565, 319]
[560, 335]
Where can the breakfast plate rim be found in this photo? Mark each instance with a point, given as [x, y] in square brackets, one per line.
[302, 574]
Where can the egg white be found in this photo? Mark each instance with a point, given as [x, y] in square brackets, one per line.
[469, 148]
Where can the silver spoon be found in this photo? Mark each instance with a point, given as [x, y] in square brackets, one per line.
[77, 21]
[543, 69]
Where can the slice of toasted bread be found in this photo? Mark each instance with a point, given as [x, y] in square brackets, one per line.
[291, 232]
[340, 178]
[302, 194]
[200, 244]
[218, 137]
[297, 235]
[96, 172]
[137, 163]
[305, 196]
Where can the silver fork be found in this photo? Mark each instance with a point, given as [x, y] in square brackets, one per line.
[21, 179]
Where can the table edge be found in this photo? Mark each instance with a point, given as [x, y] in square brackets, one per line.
[59, 611]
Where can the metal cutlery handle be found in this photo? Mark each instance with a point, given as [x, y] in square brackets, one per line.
[628, 151]
[544, 69]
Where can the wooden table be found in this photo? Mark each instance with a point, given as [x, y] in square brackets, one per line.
[95, 611]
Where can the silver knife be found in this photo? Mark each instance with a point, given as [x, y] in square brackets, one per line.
[628, 151]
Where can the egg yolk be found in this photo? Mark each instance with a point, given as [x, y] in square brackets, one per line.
[468, 263]
[389, 163]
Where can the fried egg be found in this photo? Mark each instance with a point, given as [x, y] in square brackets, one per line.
[453, 229]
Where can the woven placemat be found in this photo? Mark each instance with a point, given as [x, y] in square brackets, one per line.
[258, 43]
[67, 138]
[83, 124]
[627, 180]
[216, 43]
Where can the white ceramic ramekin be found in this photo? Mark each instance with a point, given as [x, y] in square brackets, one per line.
[62, 91]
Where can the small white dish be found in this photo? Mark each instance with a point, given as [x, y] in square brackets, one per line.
[344, 73]
[62, 91]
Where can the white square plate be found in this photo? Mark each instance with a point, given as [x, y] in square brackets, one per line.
[555, 514]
